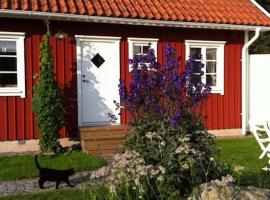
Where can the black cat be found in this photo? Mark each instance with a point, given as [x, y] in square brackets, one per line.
[55, 175]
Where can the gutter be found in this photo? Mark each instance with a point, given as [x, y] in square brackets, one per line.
[127, 21]
[246, 79]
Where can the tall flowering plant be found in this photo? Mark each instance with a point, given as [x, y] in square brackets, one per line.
[158, 91]
[168, 132]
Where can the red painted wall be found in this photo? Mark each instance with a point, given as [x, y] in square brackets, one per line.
[16, 117]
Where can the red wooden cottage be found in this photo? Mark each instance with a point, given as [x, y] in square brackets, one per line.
[93, 40]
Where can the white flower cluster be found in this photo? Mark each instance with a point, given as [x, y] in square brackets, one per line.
[239, 168]
[131, 167]
[154, 135]
[225, 180]
[185, 148]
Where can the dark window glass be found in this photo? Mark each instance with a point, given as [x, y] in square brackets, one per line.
[8, 64]
[145, 49]
[136, 50]
[8, 80]
[195, 53]
[211, 67]
[211, 80]
[211, 54]
[7, 48]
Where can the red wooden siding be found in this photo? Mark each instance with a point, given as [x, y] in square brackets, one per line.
[16, 117]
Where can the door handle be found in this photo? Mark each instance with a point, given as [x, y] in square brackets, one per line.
[86, 81]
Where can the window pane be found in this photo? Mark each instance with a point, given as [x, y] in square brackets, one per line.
[211, 67]
[197, 67]
[195, 53]
[7, 48]
[211, 54]
[8, 64]
[145, 49]
[8, 80]
[211, 80]
[136, 49]
[197, 79]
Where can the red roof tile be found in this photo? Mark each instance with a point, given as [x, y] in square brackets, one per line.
[242, 12]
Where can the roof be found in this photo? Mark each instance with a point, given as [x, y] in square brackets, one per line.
[238, 12]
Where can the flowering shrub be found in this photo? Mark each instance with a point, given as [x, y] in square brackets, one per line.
[131, 167]
[162, 92]
[168, 130]
[130, 173]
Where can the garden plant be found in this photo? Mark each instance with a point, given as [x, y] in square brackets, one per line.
[167, 153]
[47, 100]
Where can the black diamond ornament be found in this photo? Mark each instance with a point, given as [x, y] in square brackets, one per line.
[98, 60]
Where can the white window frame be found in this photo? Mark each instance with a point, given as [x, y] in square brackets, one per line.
[18, 37]
[141, 41]
[219, 45]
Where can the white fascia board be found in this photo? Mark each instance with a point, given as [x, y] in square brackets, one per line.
[126, 21]
[261, 8]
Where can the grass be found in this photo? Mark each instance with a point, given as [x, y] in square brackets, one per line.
[244, 152]
[63, 194]
[22, 167]
[241, 151]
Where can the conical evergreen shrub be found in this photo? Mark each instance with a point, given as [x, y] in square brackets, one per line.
[47, 100]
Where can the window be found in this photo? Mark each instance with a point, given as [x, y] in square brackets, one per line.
[211, 54]
[12, 76]
[140, 46]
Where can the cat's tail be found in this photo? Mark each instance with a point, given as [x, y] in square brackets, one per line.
[36, 161]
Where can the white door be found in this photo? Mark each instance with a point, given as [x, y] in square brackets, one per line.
[98, 79]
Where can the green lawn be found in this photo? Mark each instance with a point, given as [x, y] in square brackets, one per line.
[241, 151]
[21, 167]
[63, 194]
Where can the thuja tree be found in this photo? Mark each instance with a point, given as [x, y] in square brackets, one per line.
[47, 100]
[168, 129]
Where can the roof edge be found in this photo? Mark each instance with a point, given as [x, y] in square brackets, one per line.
[124, 21]
[261, 8]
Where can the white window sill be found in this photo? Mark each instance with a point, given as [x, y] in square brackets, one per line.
[217, 91]
[12, 92]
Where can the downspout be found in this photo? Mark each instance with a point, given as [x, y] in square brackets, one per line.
[246, 79]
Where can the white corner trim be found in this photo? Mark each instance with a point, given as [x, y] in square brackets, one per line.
[246, 79]
[261, 8]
